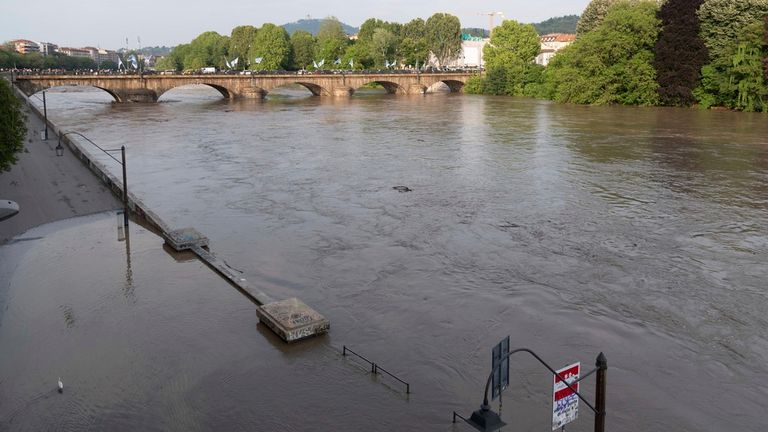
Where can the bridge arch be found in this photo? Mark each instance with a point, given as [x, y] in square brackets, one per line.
[456, 86]
[389, 86]
[316, 89]
[40, 88]
[225, 92]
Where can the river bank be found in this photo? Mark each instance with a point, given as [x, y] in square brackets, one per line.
[49, 187]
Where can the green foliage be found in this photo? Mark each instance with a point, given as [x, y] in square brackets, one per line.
[723, 21]
[240, 43]
[563, 24]
[304, 45]
[10, 58]
[108, 64]
[474, 85]
[12, 127]
[413, 45]
[511, 42]
[273, 45]
[331, 41]
[208, 49]
[443, 36]
[379, 42]
[610, 64]
[736, 79]
[596, 11]
[679, 53]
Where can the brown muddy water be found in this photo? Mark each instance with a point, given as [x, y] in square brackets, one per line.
[638, 232]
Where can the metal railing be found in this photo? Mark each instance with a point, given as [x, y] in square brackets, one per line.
[375, 368]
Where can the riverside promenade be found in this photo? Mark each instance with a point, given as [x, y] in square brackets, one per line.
[49, 187]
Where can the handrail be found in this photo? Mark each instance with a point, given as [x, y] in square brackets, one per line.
[375, 368]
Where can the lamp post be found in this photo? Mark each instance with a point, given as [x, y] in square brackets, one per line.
[45, 116]
[108, 152]
[487, 420]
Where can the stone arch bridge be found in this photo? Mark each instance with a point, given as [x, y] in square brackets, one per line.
[148, 88]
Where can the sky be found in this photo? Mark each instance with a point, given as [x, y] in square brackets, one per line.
[107, 23]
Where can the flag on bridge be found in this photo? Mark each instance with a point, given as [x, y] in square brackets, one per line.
[229, 66]
[322, 62]
[258, 60]
[234, 62]
[314, 64]
[120, 63]
[134, 61]
[352, 63]
[338, 61]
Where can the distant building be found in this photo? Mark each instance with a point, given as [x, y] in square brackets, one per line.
[47, 48]
[24, 46]
[75, 52]
[99, 55]
[471, 55]
[551, 44]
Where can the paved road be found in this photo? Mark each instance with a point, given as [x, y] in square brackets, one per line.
[47, 187]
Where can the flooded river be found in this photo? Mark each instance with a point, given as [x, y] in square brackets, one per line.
[639, 232]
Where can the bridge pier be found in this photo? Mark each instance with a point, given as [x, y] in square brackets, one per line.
[417, 89]
[252, 92]
[342, 91]
[141, 95]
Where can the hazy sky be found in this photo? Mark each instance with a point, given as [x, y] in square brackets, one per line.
[106, 23]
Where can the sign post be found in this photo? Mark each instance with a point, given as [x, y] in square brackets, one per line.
[565, 403]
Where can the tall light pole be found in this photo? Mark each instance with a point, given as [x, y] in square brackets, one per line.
[108, 152]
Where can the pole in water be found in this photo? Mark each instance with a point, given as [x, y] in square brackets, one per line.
[45, 115]
[61, 386]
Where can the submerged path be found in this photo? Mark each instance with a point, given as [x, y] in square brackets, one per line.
[49, 187]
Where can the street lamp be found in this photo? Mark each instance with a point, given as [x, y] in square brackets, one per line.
[486, 420]
[108, 152]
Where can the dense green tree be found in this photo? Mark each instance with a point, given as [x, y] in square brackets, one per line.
[383, 46]
[722, 22]
[273, 46]
[736, 78]
[413, 43]
[331, 41]
[175, 59]
[612, 63]
[207, 49]
[679, 53]
[596, 11]
[443, 36]
[13, 130]
[512, 42]
[304, 46]
[108, 64]
[240, 42]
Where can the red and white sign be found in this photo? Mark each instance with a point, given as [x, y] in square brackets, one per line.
[565, 403]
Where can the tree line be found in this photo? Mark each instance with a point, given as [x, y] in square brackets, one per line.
[270, 47]
[9, 58]
[642, 52]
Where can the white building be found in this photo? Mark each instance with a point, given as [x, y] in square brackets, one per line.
[471, 55]
[551, 44]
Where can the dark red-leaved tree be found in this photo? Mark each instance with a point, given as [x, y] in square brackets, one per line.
[765, 59]
[680, 52]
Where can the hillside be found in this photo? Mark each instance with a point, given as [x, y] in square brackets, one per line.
[563, 24]
[313, 26]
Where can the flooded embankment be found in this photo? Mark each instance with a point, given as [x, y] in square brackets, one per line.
[637, 232]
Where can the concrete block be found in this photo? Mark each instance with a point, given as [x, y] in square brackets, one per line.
[292, 320]
[185, 239]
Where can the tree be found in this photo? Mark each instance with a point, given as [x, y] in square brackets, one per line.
[413, 44]
[722, 21]
[273, 45]
[304, 45]
[443, 36]
[12, 127]
[331, 40]
[108, 64]
[207, 49]
[563, 24]
[595, 13]
[383, 46]
[511, 42]
[736, 79]
[240, 42]
[679, 53]
[611, 64]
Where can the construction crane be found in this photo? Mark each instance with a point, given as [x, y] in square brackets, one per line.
[490, 19]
